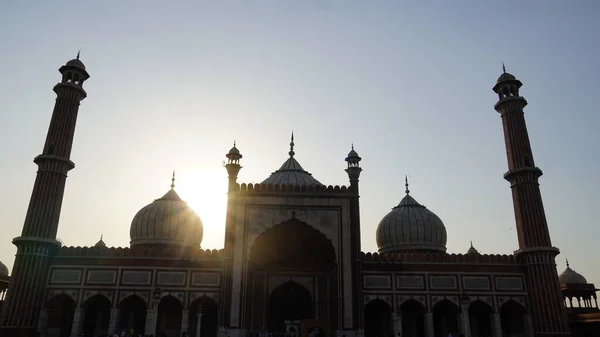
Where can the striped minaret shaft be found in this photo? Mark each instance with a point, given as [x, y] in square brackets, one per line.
[37, 243]
[549, 317]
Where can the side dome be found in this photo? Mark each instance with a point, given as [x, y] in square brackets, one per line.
[569, 276]
[3, 269]
[410, 226]
[166, 221]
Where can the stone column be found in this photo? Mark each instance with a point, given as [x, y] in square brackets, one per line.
[151, 321]
[185, 316]
[496, 325]
[429, 331]
[528, 324]
[75, 328]
[397, 320]
[43, 322]
[466, 325]
[114, 320]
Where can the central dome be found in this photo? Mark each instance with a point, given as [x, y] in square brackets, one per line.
[166, 221]
[410, 226]
[291, 173]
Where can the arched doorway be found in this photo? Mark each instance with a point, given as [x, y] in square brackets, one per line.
[133, 314]
[209, 321]
[512, 317]
[289, 250]
[96, 316]
[480, 318]
[445, 319]
[289, 302]
[169, 317]
[378, 319]
[413, 319]
[61, 309]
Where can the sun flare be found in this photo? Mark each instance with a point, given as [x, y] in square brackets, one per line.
[206, 193]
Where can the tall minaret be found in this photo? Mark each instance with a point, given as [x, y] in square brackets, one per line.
[354, 170]
[38, 238]
[535, 248]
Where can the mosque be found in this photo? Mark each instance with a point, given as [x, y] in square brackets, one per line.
[292, 262]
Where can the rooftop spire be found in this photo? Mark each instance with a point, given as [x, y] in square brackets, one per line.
[503, 68]
[101, 237]
[406, 184]
[567, 262]
[78, 52]
[173, 181]
[234, 143]
[292, 153]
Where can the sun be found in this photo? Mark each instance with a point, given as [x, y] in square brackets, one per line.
[206, 193]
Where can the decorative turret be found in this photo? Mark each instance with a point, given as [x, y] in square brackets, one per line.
[535, 248]
[233, 165]
[100, 244]
[354, 169]
[472, 250]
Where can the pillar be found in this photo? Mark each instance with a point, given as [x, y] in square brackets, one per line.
[497, 325]
[528, 324]
[429, 331]
[43, 322]
[397, 320]
[185, 316]
[76, 327]
[466, 325]
[151, 321]
[114, 320]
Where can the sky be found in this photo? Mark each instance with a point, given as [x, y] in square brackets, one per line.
[173, 84]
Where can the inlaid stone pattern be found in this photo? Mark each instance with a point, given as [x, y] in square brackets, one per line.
[126, 294]
[386, 298]
[438, 299]
[509, 283]
[476, 282]
[442, 282]
[72, 293]
[401, 299]
[171, 278]
[410, 282]
[200, 279]
[102, 276]
[91, 293]
[519, 299]
[70, 276]
[377, 281]
[136, 277]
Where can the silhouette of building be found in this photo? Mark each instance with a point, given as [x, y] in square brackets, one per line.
[292, 258]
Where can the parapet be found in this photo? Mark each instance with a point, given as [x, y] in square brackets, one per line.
[441, 258]
[158, 252]
[295, 189]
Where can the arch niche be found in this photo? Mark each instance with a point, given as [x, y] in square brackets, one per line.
[133, 314]
[445, 318]
[512, 318]
[96, 315]
[209, 319]
[480, 318]
[291, 249]
[169, 316]
[61, 309]
[413, 319]
[378, 319]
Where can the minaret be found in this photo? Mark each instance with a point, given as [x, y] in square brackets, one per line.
[535, 248]
[354, 170]
[25, 297]
[233, 168]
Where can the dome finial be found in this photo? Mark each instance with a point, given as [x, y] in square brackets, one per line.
[567, 263]
[78, 52]
[503, 68]
[173, 181]
[234, 143]
[352, 146]
[292, 153]
[101, 237]
[471, 243]
[406, 184]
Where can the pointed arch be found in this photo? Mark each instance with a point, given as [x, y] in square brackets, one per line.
[170, 310]
[512, 318]
[480, 318]
[96, 315]
[445, 318]
[61, 309]
[133, 314]
[289, 301]
[413, 318]
[206, 309]
[378, 318]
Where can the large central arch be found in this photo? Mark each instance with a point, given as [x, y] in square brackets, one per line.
[290, 249]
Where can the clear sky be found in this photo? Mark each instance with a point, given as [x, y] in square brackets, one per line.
[173, 84]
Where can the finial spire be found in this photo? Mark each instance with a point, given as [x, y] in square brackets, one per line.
[101, 237]
[471, 243]
[503, 68]
[234, 143]
[352, 146]
[567, 262]
[78, 52]
[406, 184]
[173, 181]
[292, 153]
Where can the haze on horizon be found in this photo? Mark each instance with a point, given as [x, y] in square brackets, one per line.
[409, 83]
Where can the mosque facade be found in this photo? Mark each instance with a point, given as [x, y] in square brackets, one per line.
[292, 262]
